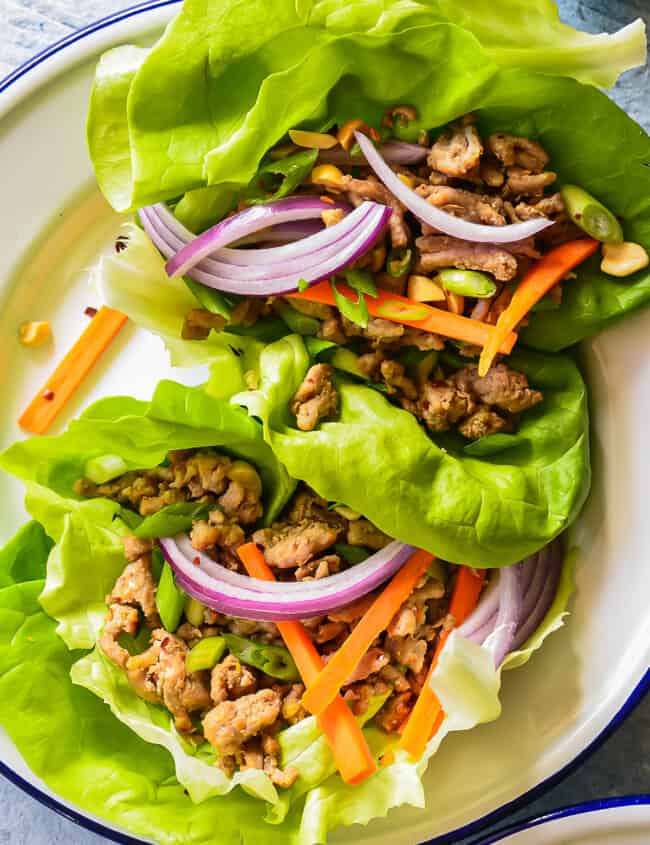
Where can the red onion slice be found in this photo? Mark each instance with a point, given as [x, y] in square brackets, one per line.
[439, 219]
[250, 220]
[509, 616]
[485, 611]
[284, 233]
[552, 567]
[239, 595]
[395, 152]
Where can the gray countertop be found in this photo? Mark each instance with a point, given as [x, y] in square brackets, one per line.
[622, 765]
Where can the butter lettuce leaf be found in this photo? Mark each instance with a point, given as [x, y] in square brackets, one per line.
[227, 79]
[98, 734]
[490, 510]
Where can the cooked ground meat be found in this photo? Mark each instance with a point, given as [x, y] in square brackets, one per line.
[287, 546]
[502, 387]
[478, 208]
[457, 152]
[361, 532]
[483, 422]
[515, 150]
[121, 619]
[443, 405]
[136, 587]
[316, 398]
[228, 725]
[230, 679]
[440, 251]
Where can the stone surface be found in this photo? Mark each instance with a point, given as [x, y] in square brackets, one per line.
[622, 765]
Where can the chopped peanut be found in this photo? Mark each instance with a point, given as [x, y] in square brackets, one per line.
[623, 259]
[408, 180]
[345, 134]
[326, 173]
[35, 333]
[332, 216]
[424, 289]
[313, 140]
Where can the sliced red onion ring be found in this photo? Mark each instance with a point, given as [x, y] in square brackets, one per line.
[439, 219]
[250, 220]
[509, 616]
[241, 265]
[515, 601]
[238, 595]
[284, 233]
[553, 568]
[277, 270]
[395, 152]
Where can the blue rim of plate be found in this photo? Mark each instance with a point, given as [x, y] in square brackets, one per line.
[595, 806]
[124, 838]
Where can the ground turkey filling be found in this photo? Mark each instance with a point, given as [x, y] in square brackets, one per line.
[239, 709]
[494, 179]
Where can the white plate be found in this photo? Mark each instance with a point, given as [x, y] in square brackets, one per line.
[586, 677]
[613, 821]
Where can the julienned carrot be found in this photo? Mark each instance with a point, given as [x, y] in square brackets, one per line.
[66, 378]
[542, 276]
[376, 619]
[427, 715]
[349, 747]
[399, 309]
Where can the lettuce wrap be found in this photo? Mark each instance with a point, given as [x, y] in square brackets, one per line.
[110, 752]
[342, 60]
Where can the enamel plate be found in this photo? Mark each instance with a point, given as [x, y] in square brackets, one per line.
[617, 821]
[584, 680]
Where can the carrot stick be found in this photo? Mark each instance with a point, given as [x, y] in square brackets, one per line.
[344, 735]
[427, 715]
[66, 378]
[323, 689]
[399, 309]
[542, 276]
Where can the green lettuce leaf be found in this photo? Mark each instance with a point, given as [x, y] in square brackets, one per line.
[490, 510]
[89, 530]
[336, 58]
[84, 747]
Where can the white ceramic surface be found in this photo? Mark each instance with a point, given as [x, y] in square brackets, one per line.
[572, 690]
[613, 822]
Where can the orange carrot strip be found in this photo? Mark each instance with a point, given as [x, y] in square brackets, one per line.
[399, 309]
[323, 689]
[66, 378]
[349, 747]
[542, 276]
[427, 715]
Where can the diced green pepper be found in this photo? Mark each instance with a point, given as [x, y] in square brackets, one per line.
[273, 660]
[345, 360]
[170, 600]
[212, 300]
[205, 654]
[173, 519]
[591, 215]
[399, 262]
[467, 283]
[297, 322]
[352, 554]
[104, 468]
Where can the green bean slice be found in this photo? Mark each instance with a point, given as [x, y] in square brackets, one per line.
[467, 283]
[591, 215]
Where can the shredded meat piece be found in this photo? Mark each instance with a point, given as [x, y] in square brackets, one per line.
[372, 662]
[249, 311]
[361, 532]
[203, 472]
[483, 422]
[371, 189]
[230, 679]
[551, 206]
[331, 329]
[443, 405]
[523, 183]
[206, 535]
[135, 547]
[424, 341]
[505, 388]
[395, 678]
[286, 546]
[292, 709]
[369, 363]
[121, 619]
[241, 503]
[525, 247]
[394, 375]
[330, 631]
[136, 586]
[457, 151]
[160, 674]
[465, 204]
[319, 568]
[395, 712]
[515, 150]
[316, 398]
[438, 251]
[491, 172]
[378, 330]
[284, 778]
[228, 725]
[408, 651]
